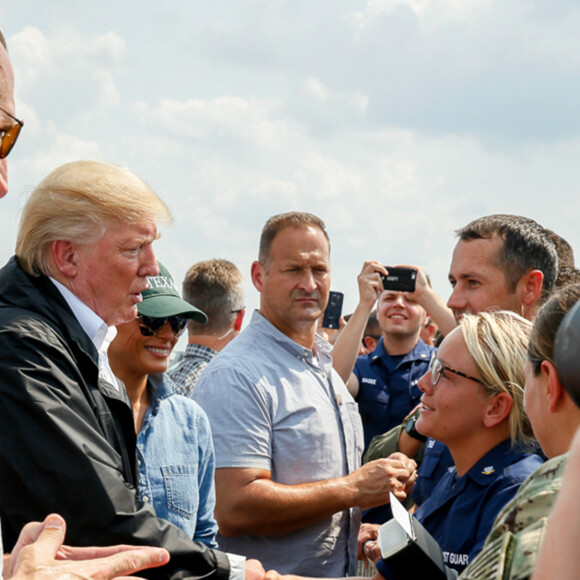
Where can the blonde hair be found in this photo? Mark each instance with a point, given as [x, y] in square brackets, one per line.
[498, 343]
[78, 202]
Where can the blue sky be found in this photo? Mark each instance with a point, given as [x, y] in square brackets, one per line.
[396, 121]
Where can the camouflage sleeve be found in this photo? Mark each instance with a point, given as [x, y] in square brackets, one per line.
[510, 556]
[511, 548]
[533, 501]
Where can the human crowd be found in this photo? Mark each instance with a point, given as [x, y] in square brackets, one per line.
[273, 451]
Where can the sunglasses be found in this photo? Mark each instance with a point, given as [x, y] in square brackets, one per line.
[8, 138]
[151, 325]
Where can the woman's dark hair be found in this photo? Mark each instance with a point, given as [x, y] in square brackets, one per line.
[546, 323]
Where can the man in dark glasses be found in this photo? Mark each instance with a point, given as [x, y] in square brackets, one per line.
[9, 125]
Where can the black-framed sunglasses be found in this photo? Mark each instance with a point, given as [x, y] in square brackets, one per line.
[8, 138]
[151, 325]
[436, 367]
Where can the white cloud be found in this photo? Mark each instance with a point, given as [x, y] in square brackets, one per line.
[62, 149]
[108, 95]
[433, 12]
[396, 132]
[315, 88]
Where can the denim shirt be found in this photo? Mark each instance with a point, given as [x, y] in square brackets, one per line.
[176, 461]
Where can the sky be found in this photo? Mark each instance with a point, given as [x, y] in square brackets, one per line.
[395, 121]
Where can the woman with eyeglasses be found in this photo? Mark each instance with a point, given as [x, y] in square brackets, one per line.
[174, 444]
[473, 402]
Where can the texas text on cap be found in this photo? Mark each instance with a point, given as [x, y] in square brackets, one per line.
[162, 299]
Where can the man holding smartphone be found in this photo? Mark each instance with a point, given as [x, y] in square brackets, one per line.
[384, 382]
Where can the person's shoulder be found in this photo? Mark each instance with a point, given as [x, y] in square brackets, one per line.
[236, 368]
[534, 499]
[424, 351]
[511, 547]
[187, 408]
[362, 363]
[29, 329]
[523, 466]
[546, 478]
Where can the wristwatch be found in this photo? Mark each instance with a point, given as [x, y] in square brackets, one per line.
[411, 430]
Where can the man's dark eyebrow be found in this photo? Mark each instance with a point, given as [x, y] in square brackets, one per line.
[463, 276]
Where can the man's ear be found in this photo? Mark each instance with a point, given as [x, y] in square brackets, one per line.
[498, 410]
[65, 257]
[531, 287]
[239, 319]
[370, 343]
[257, 273]
[555, 390]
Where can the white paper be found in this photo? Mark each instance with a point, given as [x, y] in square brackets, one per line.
[402, 516]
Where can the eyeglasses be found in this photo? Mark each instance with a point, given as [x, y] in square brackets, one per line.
[436, 367]
[150, 325]
[8, 138]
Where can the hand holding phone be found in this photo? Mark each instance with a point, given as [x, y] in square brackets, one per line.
[399, 279]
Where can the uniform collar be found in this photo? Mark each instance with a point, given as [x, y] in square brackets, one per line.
[494, 462]
[420, 352]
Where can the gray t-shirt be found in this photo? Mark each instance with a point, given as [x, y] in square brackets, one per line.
[274, 405]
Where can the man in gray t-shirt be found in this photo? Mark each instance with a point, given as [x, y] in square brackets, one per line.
[287, 433]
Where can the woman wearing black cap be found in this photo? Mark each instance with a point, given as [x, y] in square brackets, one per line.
[174, 444]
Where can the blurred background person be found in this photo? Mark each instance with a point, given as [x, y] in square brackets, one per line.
[217, 288]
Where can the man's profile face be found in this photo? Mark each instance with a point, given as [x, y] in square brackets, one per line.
[398, 315]
[478, 283]
[7, 103]
[112, 272]
[295, 282]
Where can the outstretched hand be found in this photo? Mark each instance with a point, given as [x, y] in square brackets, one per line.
[39, 553]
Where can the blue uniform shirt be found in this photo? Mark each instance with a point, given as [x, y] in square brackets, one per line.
[461, 510]
[435, 464]
[388, 388]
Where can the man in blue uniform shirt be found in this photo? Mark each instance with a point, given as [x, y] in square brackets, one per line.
[384, 382]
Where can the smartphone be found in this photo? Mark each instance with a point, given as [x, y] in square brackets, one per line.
[400, 279]
[331, 318]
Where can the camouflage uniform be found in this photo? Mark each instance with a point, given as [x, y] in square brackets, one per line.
[510, 550]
